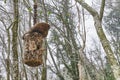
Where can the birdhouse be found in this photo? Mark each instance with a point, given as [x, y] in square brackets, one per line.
[33, 49]
[33, 41]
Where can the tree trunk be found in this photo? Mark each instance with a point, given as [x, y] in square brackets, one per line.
[44, 70]
[14, 41]
[8, 56]
[105, 43]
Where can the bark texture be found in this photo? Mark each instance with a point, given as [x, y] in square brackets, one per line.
[15, 42]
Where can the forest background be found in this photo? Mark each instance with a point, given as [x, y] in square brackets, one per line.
[83, 42]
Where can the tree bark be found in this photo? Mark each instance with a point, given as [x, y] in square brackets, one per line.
[8, 56]
[14, 41]
[44, 70]
[105, 43]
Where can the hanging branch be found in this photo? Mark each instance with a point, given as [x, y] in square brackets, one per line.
[35, 12]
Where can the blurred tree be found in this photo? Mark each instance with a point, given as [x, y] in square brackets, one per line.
[64, 40]
[108, 72]
[112, 22]
[105, 43]
[44, 69]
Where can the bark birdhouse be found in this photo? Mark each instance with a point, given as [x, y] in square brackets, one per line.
[33, 41]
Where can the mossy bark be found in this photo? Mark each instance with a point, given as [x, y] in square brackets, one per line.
[15, 42]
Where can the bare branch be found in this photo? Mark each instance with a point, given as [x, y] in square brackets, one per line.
[92, 11]
[102, 9]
